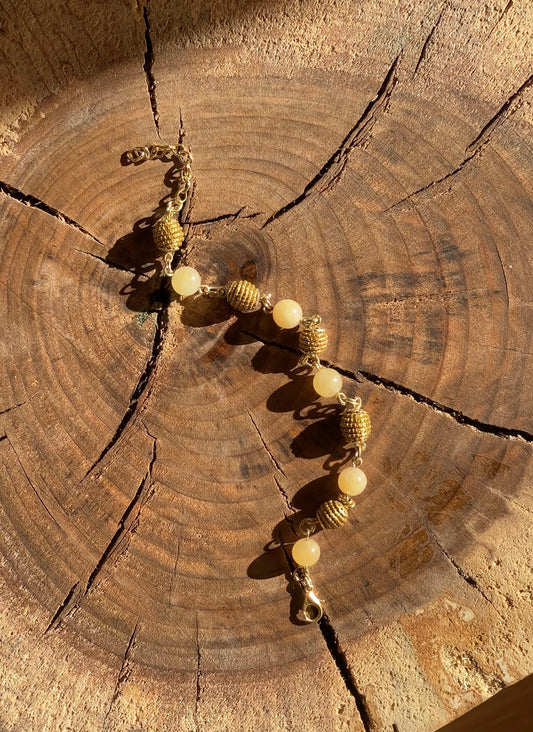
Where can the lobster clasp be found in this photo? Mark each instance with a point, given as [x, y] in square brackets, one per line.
[311, 606]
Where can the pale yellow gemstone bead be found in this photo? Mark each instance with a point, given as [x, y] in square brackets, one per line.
[306, 552]
[185, 281]
[352, 481]
[287, 313]
[327, 382]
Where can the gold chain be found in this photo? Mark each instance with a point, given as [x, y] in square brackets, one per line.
[181, 156]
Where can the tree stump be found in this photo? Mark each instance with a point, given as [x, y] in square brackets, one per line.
[372, 161]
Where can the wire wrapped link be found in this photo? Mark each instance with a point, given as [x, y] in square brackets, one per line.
[309, 360]
[349, 402]
[265, 302]
[308, 526]
[167, 264]
[213, 290]
[302, 576]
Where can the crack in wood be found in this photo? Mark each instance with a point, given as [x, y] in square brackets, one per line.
[116, 547]
[269, 451]
[141, 393]
[228, 217]
[175, 570]
[508, 108]
[504, 273]
[359, 136]
[339, 657]
[501, 17]
[460, 417]
[148, 68]
[125, 670]
[16, 406]
[75, 590]
[111, 264]
[288, 557]
[504, 496]
[279, 469]
[198, 674]
[32, 484]
[33, 202]
[465, 576]
[284, 494]
[445, 184]
[429, 38]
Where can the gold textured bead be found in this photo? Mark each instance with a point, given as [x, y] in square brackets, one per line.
[168, 234]
[243, 296]
[312, 341]
[332, 514]
[346, 500]
[355, 426]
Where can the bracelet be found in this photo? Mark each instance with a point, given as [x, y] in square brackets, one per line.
[245, 297]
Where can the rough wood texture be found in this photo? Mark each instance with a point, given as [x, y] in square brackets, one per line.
[372, 160]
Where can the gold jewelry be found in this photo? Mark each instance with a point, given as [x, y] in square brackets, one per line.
[245, 297]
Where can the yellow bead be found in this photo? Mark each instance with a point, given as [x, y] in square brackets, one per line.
[287, 313]
[327, 382]
[352, 481]
[306, 552]
[185, 281]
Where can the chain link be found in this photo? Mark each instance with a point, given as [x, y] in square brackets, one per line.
[353, 403]
[308, 526]
[213, 290]
[310, 360]
[310, 321]
[182, 158]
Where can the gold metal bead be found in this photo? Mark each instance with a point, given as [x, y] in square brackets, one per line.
[355, 426]
[332, 514]
[168, 234]
[243, 296]
[312, 340]
[346, 500]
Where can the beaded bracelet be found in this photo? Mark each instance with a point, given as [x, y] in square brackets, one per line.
[245, 297]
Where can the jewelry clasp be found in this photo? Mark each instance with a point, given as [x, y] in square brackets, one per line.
[311, 607]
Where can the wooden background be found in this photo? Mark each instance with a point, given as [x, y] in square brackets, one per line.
[374, 161]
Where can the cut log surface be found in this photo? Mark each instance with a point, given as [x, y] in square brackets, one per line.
[373, 161]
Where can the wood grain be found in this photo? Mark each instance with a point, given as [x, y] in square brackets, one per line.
[375, 165]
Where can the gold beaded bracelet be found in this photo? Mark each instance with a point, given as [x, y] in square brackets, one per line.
[245, 297]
